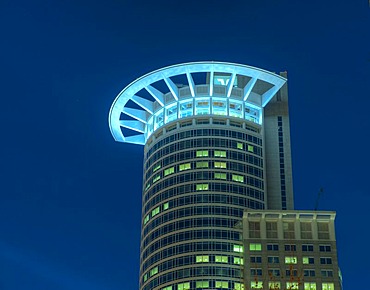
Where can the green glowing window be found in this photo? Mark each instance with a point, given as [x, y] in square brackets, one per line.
[155, 211]
[183, 286]
[238, 248]
[156, 167]
[184, 166]
[219, 153]
[219, 175]
[202, 153]
[145, 277]
[250, 148]
[202, 164]
[166, 205]
[274, 285]
[221, 259]
[153, 271]
[169, 171]
[202, 259]
[238, 286]
[238, 178]
[222, 284]
[327, 286]
[256, 285]
[310, 286]
[202, 284]
[167, 288]
[203, 186]
[255, 247]
[156, 178]
[290, 260]
[146, 219]
[239, 145]
[220, 164]
[147, 186]
[293, 285]
[238, 261]
[308, 260]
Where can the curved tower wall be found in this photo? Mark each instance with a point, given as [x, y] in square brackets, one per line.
[205, 162]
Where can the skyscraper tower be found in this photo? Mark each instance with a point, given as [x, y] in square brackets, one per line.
[216, 141]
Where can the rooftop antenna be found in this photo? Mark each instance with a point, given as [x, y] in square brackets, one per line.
[321, 191]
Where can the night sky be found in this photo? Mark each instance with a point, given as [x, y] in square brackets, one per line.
[70, 196]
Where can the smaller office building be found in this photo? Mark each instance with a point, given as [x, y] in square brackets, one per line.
[290, 250]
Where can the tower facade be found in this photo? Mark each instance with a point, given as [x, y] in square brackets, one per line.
[216, 142]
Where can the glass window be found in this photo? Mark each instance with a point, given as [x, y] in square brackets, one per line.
[327, 273]
[202, 259]
[309, 273]
[203, 186]
[184, 166]
[158, 120]
[309, 286]
[238, 261]
[325, 261]
[219, 153]
[166, 205]
[325, 248]
[292, 285]
[290, 260]
[155, 211]
[239, 145]
[257, 285]
[291, 248]
[186, 109]
[238, 286]
[255, 247]
[146, 219]
[202, 153]
[272, 247]
[222, 284]
[154, 271]
[220, 164]
[145, 277]
[238, 178]
[235, 109]
[202, 284]
[308, 260]
[156, 167]
[307, 248]
[250, 148]
[169, 171]
[256, 259]
[274, 285]
[221, 259]
[219, 107]
[171, 113]
[219, 175]
[327, 286]
[202, 107]
[273, 260]
[202, 164]
[156, 178]
[183, 286]
[238, 248]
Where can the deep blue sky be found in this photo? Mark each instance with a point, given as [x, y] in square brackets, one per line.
[70, 196]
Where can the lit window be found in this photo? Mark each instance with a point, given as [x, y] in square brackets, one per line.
[203, 186]
[238, 286]
[154, 271]
[274, 285]
[202, 284]
[290, 260]
[156, 178]
[202, 259]
[167, 288]
[219, 175]
[257, 285]
[146, 219]
[202, 153]
[327, 286]
[220, 164]
[219, 153]
[255, 247]
[239, 145]
[238, 261]
[250, 148]
[184, 166]
[147, 186]
[145, 277]
[166, 205]
[221, 259]
[310, 286]
[169, 171]
[155, 211]
[292, 285]
[238, 248]
[308, 260]
[155, 168]
[183, 286]
[238, 178]
[202, 164]
[222, 284]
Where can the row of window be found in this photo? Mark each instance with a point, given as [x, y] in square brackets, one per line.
[206, 284]
[178, 225]
[194, 246]
[293, 248]
[223, 272]
[204, 132]
[191, 210]
[245, 193]
[293, 285]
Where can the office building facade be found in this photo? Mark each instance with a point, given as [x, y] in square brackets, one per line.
[216, 142]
